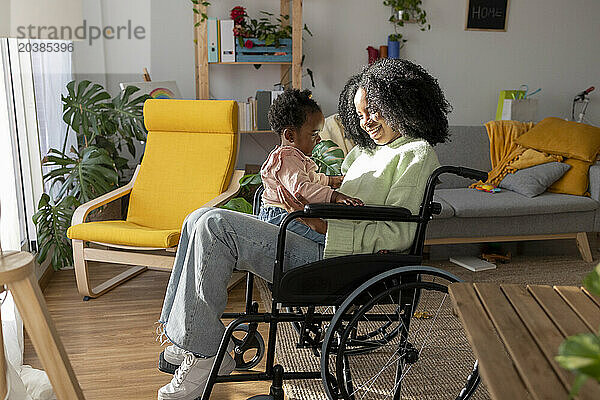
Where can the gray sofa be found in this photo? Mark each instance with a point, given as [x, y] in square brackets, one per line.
[472, 216]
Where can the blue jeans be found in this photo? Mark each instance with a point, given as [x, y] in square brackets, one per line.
[275, 216]
[213, 242]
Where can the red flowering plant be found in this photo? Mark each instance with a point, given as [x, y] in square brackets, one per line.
[261, 29]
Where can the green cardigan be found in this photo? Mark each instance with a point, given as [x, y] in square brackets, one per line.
[395, 175]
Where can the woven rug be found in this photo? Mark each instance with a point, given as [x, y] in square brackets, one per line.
[556, 270]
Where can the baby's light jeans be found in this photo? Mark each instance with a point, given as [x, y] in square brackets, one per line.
[213, 242]
[276, 215]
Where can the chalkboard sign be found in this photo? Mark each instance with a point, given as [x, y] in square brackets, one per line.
[486, 15]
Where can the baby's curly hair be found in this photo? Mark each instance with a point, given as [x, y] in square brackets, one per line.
[290, 109]
[408, 98]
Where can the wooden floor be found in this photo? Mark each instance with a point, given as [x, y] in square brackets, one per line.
[111, 341]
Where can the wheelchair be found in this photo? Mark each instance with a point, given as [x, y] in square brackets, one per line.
[378, 322]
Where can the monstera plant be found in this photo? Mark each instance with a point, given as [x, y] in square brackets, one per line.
[326, 154]
[104, 128]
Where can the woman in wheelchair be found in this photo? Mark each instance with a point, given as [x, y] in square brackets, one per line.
[395, 112]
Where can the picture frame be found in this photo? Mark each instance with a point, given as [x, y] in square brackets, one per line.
[487, 15]
[156, 89]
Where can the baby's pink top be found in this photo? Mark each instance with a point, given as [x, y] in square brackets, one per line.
[288, 167]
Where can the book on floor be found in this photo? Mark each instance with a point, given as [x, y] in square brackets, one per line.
[472, 263]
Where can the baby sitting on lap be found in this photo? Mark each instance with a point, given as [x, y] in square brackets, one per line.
[298, 120]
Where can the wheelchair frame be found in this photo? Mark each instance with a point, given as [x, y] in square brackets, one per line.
[288, 291]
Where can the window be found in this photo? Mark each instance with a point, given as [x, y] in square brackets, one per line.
[30, 123]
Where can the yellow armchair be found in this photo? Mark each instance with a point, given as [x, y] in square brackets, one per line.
[188, 163]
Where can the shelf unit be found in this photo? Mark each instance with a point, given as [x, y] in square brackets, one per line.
[201, 48]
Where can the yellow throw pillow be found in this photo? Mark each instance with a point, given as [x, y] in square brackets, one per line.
[564, 138]
[575, 180]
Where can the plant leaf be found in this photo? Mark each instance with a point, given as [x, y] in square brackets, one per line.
[82, 109]
[329, 157]
[126, 113]
[250, 180]
[238, 204]
[592, 281]
[581, 353]
[52, 222]
[85, 176]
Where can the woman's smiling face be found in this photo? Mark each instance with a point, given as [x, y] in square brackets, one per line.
[372, 122]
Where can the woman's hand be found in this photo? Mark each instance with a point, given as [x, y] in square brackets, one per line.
[292, 204]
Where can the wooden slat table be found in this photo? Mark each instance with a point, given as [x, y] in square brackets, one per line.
[515, 331]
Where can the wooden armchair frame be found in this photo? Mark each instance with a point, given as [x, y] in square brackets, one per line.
[142, 258]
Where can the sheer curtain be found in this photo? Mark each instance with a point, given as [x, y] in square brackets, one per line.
[51, 73]
[30, 123]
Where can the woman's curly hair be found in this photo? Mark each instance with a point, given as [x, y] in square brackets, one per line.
[407, 97]
[290, 109]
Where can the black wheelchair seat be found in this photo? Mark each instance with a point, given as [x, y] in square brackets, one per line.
[329, 281]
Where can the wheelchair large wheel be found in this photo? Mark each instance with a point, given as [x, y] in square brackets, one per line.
[422, 352]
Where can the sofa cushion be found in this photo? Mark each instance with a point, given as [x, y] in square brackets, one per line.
[470, 203]
[534, 180]
[468, 146]
[539, 224]
[575, 180]
[564, 138]
[447, 210]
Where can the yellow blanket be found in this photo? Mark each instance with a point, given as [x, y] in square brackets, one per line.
[506, 155]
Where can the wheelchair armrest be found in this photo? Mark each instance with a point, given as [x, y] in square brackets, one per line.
[465, 172]
[370, 213]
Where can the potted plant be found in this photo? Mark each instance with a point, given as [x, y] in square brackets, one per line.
[395, 43]
[104, 128]
[404, 11]
[580, 354]
[262, 39]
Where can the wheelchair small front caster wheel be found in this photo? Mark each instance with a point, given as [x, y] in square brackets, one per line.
[249, 347]
[86, 298]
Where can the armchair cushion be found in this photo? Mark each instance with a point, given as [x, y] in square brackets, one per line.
[124, 233]
[189, 159]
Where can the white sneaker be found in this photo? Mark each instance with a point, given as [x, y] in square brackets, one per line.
[174, 354]
[190, 378]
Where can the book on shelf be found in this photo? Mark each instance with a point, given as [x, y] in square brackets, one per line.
[264, 100]
[252, 103]
[275, 94]
[227, 44]
[263, 103]
[241, 116]
[248, 121]
[246, 115]
[212, 39]
[253, 113]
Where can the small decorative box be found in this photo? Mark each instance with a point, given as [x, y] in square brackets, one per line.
[260, 53]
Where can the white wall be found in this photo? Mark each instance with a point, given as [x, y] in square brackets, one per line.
[552, 44]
